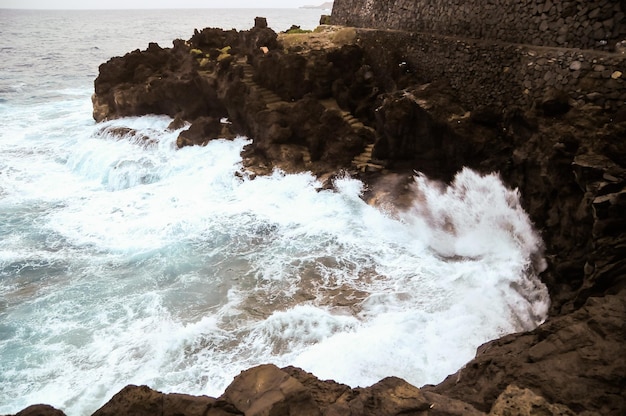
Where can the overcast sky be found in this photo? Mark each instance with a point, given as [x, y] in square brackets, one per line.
[152, 4]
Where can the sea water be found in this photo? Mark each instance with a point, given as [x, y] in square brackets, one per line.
[125, 260]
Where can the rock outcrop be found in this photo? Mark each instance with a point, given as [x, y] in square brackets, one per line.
[317, 102]
[294, 98]
[157, 81]
[268, 390]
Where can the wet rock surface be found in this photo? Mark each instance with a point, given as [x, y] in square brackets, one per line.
[318, 103]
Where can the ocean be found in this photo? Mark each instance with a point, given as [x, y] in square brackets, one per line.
[131, 262]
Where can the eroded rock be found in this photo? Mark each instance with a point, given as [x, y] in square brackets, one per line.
[566, 359]
[141, 400]
[203, 130]
[40, 410]
[267, 390]
[523, 402]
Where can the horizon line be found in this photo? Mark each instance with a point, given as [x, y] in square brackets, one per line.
[160, 8]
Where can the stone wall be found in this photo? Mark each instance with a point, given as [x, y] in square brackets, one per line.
[595, 24]
[500, 74]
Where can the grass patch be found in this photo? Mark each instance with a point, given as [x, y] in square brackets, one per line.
[295, 30]
[344, 36]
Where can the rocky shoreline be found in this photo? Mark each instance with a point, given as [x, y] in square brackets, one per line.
[318, 102]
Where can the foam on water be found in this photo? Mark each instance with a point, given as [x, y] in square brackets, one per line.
[125, 260]
[167, 267]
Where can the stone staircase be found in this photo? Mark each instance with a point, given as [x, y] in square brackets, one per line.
[269, 97]
[331, 104]
[306, 157]
[362, 162]
[365, 163]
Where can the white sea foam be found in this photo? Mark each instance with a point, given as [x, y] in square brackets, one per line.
[125, 260]
[184, 279]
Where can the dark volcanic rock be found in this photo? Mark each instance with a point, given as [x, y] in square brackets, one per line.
[267, 390]
[555, 103]
[295, 103]
[523, 402]
[40, 410]
[575, 360]
[155, 81]
[410, 137]
[202, 130]
[143, 401]
[212, 39]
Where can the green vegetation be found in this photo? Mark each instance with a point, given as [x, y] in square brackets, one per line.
[344, 36]
[294, 30]
[224, 53]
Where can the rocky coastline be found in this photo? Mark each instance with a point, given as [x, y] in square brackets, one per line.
[330, 102]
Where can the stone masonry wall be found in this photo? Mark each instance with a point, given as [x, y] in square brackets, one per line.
[586, 24]
[500, 74]
[500, 52]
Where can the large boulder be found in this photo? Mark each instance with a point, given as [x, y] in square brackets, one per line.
[203, 130]
[40, 410]
[143, 401]
[267, 390]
